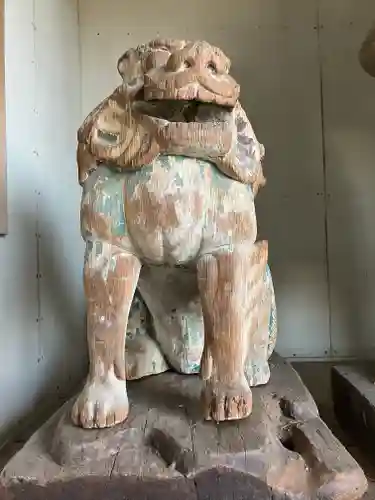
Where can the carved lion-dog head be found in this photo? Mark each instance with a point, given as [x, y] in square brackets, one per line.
[190, 105]
[188, 98]
[177, 97]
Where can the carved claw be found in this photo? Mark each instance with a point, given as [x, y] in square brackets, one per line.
[226, 402]
[101, 404]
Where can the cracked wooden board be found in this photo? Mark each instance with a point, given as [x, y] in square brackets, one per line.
[284, 449]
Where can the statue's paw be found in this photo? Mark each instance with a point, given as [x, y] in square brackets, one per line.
[101, 404]
[226, 401]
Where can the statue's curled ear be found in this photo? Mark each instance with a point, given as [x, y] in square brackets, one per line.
[123, 62]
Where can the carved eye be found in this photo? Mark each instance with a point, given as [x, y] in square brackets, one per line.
[211, 66]
[187, 64]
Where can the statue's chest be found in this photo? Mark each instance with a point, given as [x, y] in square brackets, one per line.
[165, 208]
[170, 212]
[167, 193]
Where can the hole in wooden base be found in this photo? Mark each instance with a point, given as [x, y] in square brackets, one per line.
[287, 442]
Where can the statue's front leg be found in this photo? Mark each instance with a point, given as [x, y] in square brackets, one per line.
[226, 279]
[110, 280]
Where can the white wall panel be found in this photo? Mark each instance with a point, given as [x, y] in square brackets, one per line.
[41, 335]
[349, 127]
[61, 248]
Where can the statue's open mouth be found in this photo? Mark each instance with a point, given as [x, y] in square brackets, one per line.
[175, 126]
[183, 111]
[188, 127]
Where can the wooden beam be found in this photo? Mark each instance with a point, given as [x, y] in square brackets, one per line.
[3, 163]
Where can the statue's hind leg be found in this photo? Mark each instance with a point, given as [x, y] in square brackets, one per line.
[144, 356]
[172, 298]
[262, 338]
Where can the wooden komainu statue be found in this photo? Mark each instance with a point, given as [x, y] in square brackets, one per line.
[173, 275]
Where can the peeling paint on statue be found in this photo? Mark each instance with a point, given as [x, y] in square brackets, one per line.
[174, 277]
